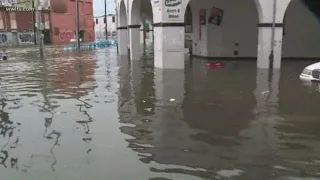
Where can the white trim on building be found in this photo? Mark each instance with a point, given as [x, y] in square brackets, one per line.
[99, 28]
[246, 29]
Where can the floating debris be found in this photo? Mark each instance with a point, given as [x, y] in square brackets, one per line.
[230, 173]
[92, 45]
[265, 93]
[146, 120]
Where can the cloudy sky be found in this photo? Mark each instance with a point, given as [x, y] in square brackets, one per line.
[98, 7]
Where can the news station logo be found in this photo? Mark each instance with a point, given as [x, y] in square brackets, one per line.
[12, 5]
[12, 9]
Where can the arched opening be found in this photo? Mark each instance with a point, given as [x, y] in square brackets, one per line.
[188, 29]
[223, 29]
[146, 15]
[123, 15]
[141, 14]
[301, 35]
[122, 30]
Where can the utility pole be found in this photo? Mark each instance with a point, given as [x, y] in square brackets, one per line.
[34, 24]
[39, 28]
[105, 18]
[116, 9]
[77, 26]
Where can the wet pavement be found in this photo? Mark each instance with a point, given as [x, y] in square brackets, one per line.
[95, 116]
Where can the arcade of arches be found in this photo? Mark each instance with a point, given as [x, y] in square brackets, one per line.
[221, 30]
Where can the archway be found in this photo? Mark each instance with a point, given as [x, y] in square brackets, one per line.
[301, 35]
[188, 28]
[122, 29]
[140, 14]
[122, 15]
[223, 29]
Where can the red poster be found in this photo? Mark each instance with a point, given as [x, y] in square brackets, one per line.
[202, 16]
[202, 19]
[216, 16]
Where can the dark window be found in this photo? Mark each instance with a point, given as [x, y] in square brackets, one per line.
[81, 34]
[113, 19]
[96, 20]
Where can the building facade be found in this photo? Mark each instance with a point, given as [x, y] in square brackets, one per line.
[264, 30]
[100, 26]
[63, 21]
[17, 26]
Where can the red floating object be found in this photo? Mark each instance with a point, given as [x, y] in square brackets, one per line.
[215, 64]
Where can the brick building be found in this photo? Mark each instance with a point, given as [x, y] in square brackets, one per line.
[17, 27]
[63, 21]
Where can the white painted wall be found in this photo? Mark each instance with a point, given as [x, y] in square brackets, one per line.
[302, 32]
[239, 25]
[99, 28]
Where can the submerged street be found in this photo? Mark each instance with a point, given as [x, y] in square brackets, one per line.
[92, 115]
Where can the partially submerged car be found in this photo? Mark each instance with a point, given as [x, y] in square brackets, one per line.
[311, 72]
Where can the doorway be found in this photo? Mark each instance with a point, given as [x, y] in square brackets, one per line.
[46, 36]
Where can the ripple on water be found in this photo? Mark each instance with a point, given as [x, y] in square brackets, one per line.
[74, 113]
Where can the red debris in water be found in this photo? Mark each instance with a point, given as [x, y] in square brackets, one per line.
[215, 64]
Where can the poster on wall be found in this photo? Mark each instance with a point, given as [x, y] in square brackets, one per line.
[216, 16]
[202, 16]
[202, 20]
[173, 10]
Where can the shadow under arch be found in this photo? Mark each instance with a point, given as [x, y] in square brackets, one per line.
[140, 13]
[139, 6]
[305, 37]
[237, 35]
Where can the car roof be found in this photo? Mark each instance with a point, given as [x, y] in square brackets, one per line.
[314, 66]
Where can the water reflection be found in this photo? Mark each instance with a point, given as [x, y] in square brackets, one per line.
[7, 129]
[59, 119]
[47, 107]
[40, 85]
[209, 123]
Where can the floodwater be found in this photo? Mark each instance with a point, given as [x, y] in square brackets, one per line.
[93, 116]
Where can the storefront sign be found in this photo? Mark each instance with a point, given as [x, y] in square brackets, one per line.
[173, 10]
[216, 16]
[156, 3]
[172, 3]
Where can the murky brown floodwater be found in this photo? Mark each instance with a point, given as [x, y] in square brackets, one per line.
[92, 116]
